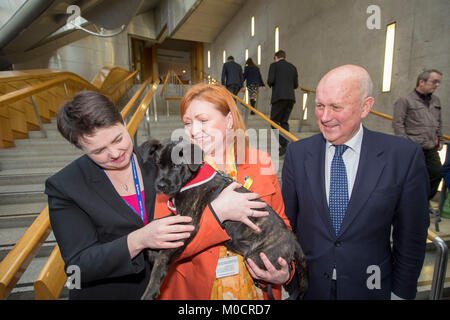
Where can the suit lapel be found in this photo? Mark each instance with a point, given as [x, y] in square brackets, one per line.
[315, 167]
[371, 165]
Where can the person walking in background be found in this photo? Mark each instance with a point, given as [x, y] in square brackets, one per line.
[417, 117]
[283, 79]
[232, 77]
[347, 188]
[254, 81]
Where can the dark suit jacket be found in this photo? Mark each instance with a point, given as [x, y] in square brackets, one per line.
[391, 189]
[253, 76]
[283, 79]
[232, 74]
[91, 223]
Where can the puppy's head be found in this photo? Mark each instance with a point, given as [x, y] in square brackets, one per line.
[176, 163]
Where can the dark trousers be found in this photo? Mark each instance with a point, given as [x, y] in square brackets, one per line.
[234, 88]
[253, 104]
[333, 291]
[434, 169]
[280, 112]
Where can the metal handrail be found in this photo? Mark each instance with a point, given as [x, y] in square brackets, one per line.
[306, 89]
[282, 130]
[440, 266]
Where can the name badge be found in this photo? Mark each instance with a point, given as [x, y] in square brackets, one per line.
[227, 266]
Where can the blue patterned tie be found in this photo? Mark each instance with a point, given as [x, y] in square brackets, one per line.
[338, 198]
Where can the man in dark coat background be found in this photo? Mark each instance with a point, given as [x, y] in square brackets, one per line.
[283, 79]
[232, 76]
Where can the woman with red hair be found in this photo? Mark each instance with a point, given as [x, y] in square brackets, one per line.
[212, 121]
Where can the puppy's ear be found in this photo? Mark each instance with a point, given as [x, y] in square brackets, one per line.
[148, 148]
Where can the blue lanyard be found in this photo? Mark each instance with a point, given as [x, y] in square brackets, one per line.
[137, 186]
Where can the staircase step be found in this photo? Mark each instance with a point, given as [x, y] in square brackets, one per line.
[56, 142]
[48, 133]
[46, 161]
[15, 194]
[30, 151]
[10, 236]
[26, 175]
[18, 209]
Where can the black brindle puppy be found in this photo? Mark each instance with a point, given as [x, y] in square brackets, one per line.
[175, 167]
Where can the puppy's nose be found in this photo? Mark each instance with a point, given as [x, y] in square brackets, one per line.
[161, 185]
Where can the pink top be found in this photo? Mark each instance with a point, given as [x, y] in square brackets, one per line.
[133, 202]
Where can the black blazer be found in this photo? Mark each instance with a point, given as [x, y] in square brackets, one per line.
[390, 190]
[232, 74]
[283, 79]
[253, 76]
[91, 223]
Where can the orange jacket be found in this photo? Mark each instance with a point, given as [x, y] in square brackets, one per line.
[192, 275]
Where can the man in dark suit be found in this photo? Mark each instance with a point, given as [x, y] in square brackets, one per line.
[232, 76]
[283, 79]
[344, 190]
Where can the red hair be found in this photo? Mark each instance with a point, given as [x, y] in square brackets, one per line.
[220, 97]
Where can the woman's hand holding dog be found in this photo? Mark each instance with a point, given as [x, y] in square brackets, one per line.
[162, 233]
[236, 206]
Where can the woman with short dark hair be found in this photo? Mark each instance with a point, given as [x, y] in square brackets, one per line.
[101, 205]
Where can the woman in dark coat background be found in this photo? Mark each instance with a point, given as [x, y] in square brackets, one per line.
[254, 81]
